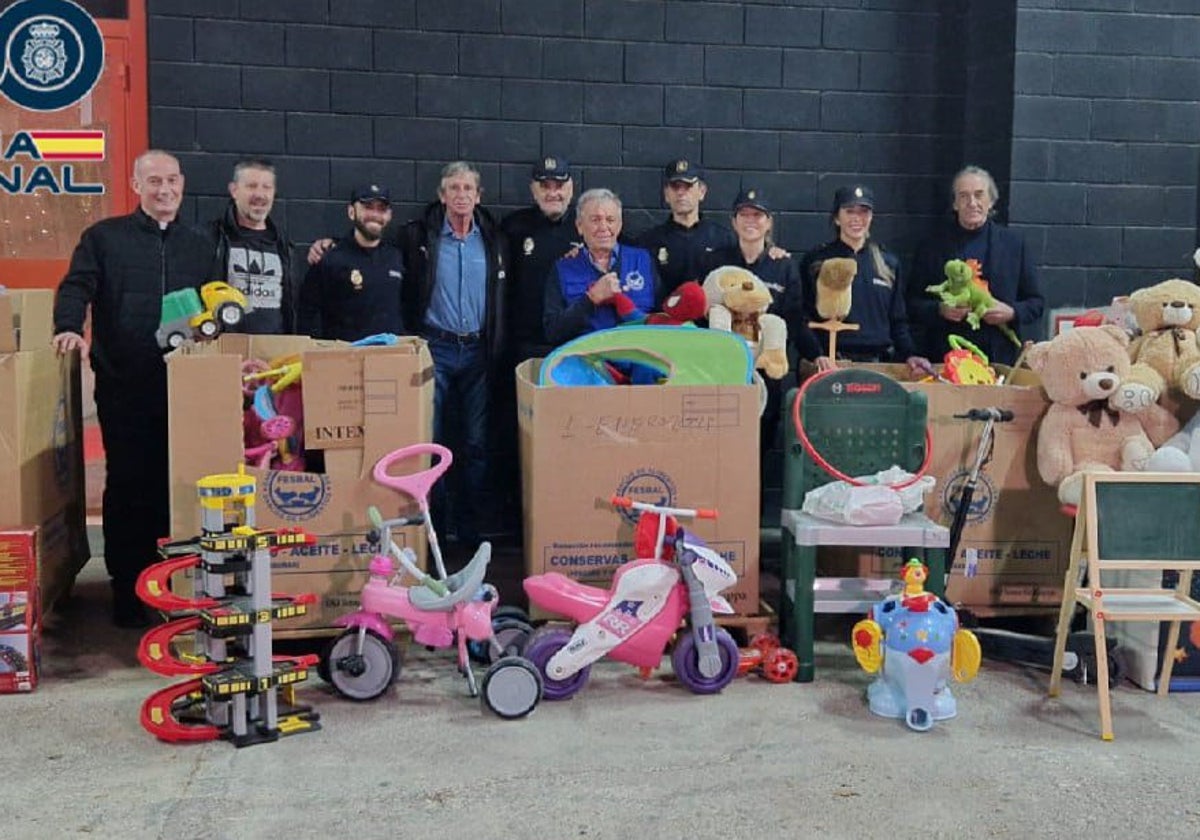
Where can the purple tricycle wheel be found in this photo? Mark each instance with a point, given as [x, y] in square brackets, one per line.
[542, 645]
[686, 661]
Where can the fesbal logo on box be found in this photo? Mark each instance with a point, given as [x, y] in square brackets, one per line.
[53, 55]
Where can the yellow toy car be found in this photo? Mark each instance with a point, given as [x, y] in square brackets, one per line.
[187, 313]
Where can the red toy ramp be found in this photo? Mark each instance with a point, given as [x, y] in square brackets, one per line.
[158, 715]
[154, 651]
[154, 586]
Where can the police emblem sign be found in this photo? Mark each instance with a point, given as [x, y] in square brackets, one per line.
[53, 54]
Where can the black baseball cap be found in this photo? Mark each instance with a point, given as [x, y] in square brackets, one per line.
[684, 170]
[751, 197]
[855, 195]
[370, 192]
[551, 168]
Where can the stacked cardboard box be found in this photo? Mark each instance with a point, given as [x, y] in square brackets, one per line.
[359, 404]
[41, 456]
[685, 446]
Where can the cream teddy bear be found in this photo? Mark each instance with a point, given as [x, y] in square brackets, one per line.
[738, 302]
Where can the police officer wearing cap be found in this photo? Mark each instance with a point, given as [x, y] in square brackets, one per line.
[683, 242]
[354, 291]
[537, 236]
[753, 225]
[877, 295]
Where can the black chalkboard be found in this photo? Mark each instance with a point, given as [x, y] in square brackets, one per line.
[1147, 520]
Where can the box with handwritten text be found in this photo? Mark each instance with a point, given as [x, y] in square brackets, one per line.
[685, 446]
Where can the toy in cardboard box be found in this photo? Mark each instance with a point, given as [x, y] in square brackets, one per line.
[188, 313]
[738, 302]
[915, 638]
[835, 283]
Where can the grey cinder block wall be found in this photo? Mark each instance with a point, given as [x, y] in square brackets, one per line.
[1085, 110]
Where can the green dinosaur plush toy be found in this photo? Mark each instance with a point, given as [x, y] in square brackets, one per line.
[963, 287]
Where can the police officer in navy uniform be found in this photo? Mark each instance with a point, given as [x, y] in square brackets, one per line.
[685, 241]
[877, 296]
[538, 235]
[354, 291]
[753, 249]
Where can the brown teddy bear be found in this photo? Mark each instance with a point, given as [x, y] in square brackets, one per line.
[737, 302]
[1081, 369]
[1166, 354]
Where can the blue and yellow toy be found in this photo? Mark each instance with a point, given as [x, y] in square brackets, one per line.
[914, 636]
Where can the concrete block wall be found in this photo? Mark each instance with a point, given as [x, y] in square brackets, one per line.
[795, 97]
[1085, 110]
[1104, 142]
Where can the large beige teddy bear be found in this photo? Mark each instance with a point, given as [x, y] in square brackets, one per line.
[1166, 354]
[1081, 369]
[738, 302]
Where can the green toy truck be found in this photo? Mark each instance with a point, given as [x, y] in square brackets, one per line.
[187, 314]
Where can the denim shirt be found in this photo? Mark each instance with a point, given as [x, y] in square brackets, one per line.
[460, 288]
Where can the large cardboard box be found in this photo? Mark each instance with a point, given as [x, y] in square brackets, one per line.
[1015, 546]
[688, 446]
[360, 403]
[41, 437]
[20, 611]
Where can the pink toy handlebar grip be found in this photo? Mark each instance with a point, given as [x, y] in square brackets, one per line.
[416, 484]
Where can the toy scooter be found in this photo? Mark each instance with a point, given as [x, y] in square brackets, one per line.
[635, 620]
[363, 661]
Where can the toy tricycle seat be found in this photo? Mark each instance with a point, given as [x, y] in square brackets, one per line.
[463, 585]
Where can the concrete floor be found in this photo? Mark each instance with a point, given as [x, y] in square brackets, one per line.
[623, 758]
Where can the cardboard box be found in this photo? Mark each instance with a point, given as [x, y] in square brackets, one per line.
[20, 611]
[688, 446]
[41, 436]
[1015, 546]
[360, 403]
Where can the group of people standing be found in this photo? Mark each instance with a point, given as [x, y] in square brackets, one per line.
[485, 295]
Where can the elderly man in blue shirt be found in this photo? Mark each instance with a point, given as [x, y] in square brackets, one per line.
[454, 293]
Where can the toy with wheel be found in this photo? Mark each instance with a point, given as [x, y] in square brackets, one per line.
[635, 621]
[769, 659]
[440, 612]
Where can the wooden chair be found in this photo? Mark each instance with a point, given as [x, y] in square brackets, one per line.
[1131, 521]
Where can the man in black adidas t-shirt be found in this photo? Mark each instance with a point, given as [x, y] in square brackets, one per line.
[251, 253]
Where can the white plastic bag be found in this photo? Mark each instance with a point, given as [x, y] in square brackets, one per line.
[874, 502]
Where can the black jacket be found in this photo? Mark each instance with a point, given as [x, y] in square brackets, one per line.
[535, 243]
[682, 253]
[877, 303]
[1012, 278]
[222, 233]
[122, 267]
[418, 242]
[352, 293]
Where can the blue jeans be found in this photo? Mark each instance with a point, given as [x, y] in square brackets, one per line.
[460, 391]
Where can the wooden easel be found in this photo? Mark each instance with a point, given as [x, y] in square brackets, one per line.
[833, 328]
[1143, 521]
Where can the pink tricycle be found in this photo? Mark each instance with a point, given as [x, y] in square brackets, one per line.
[441, 612]
[676, 577]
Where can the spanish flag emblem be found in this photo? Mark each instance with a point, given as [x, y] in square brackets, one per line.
[69, 145]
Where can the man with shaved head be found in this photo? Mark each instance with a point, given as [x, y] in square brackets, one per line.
[120, 271]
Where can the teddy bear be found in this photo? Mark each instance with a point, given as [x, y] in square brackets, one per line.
[1081, 431]
[1166, 354]
[738, 302]
[685, 305]
[1181, 452]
